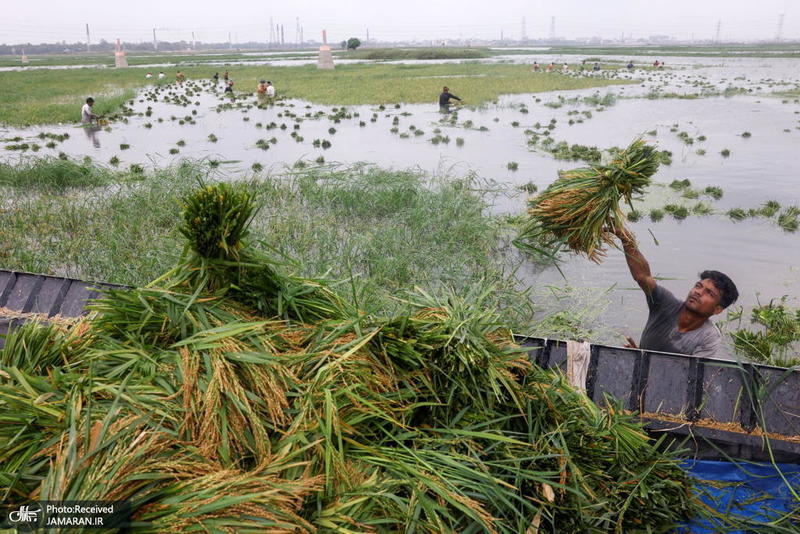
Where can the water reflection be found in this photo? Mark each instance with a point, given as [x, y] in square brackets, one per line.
[91, 134]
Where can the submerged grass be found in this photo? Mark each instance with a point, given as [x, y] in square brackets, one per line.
[38, 99]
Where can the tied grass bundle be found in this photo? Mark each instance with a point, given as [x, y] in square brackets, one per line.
[217, 257]
[581, 208]
[215, 220]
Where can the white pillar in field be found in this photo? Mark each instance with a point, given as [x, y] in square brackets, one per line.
[120, 61]
[325, 60]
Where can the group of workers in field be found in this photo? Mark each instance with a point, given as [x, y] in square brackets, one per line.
[673, 325]
[264, 89]
[564, 68]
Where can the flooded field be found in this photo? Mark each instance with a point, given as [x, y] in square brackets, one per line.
[721, 119]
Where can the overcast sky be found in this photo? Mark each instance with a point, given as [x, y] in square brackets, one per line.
[56, 20]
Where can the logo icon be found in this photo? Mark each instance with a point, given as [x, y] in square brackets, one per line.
[24, 515]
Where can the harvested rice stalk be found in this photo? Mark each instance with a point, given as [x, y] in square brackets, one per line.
[228, 406]
[581, 207]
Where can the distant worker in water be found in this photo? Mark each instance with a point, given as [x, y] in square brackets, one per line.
[444, 99]
[86, 112]
[261, 89]
[596, 66]
[215, 77]
[270, 90]
[536, 66]
[679, 326]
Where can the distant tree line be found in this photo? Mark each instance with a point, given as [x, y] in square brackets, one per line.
[108, 46]
[351, 44]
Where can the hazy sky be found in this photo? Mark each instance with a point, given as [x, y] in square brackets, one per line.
[56, 20]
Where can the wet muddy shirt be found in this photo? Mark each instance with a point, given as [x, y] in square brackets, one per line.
[661, 331]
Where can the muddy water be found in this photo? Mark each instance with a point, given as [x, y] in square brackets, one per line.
[763, 259]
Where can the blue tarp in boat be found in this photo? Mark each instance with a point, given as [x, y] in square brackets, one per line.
[754, 494]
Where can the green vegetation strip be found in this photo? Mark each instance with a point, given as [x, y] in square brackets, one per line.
[390, 230]
[46, 96]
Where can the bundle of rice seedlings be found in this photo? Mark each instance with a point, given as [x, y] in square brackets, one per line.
[581, 208]
[216, 219]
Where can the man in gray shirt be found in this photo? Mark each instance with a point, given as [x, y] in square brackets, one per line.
[679, 326]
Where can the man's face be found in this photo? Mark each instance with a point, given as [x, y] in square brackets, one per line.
[704, 299]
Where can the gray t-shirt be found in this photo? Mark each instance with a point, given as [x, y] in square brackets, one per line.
[661, 331]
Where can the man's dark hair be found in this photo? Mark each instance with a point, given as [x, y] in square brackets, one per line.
[89, 100]
[726, 286]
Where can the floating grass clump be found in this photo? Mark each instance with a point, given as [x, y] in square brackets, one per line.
[677, 211]
[788, 219]
[768, 209]
[232, 394]
[690, 194]
[702, 209]
[737, 214]
[580, 209]
[679, 185]
[772, 336]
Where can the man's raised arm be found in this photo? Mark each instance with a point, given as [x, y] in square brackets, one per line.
[640, 269]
